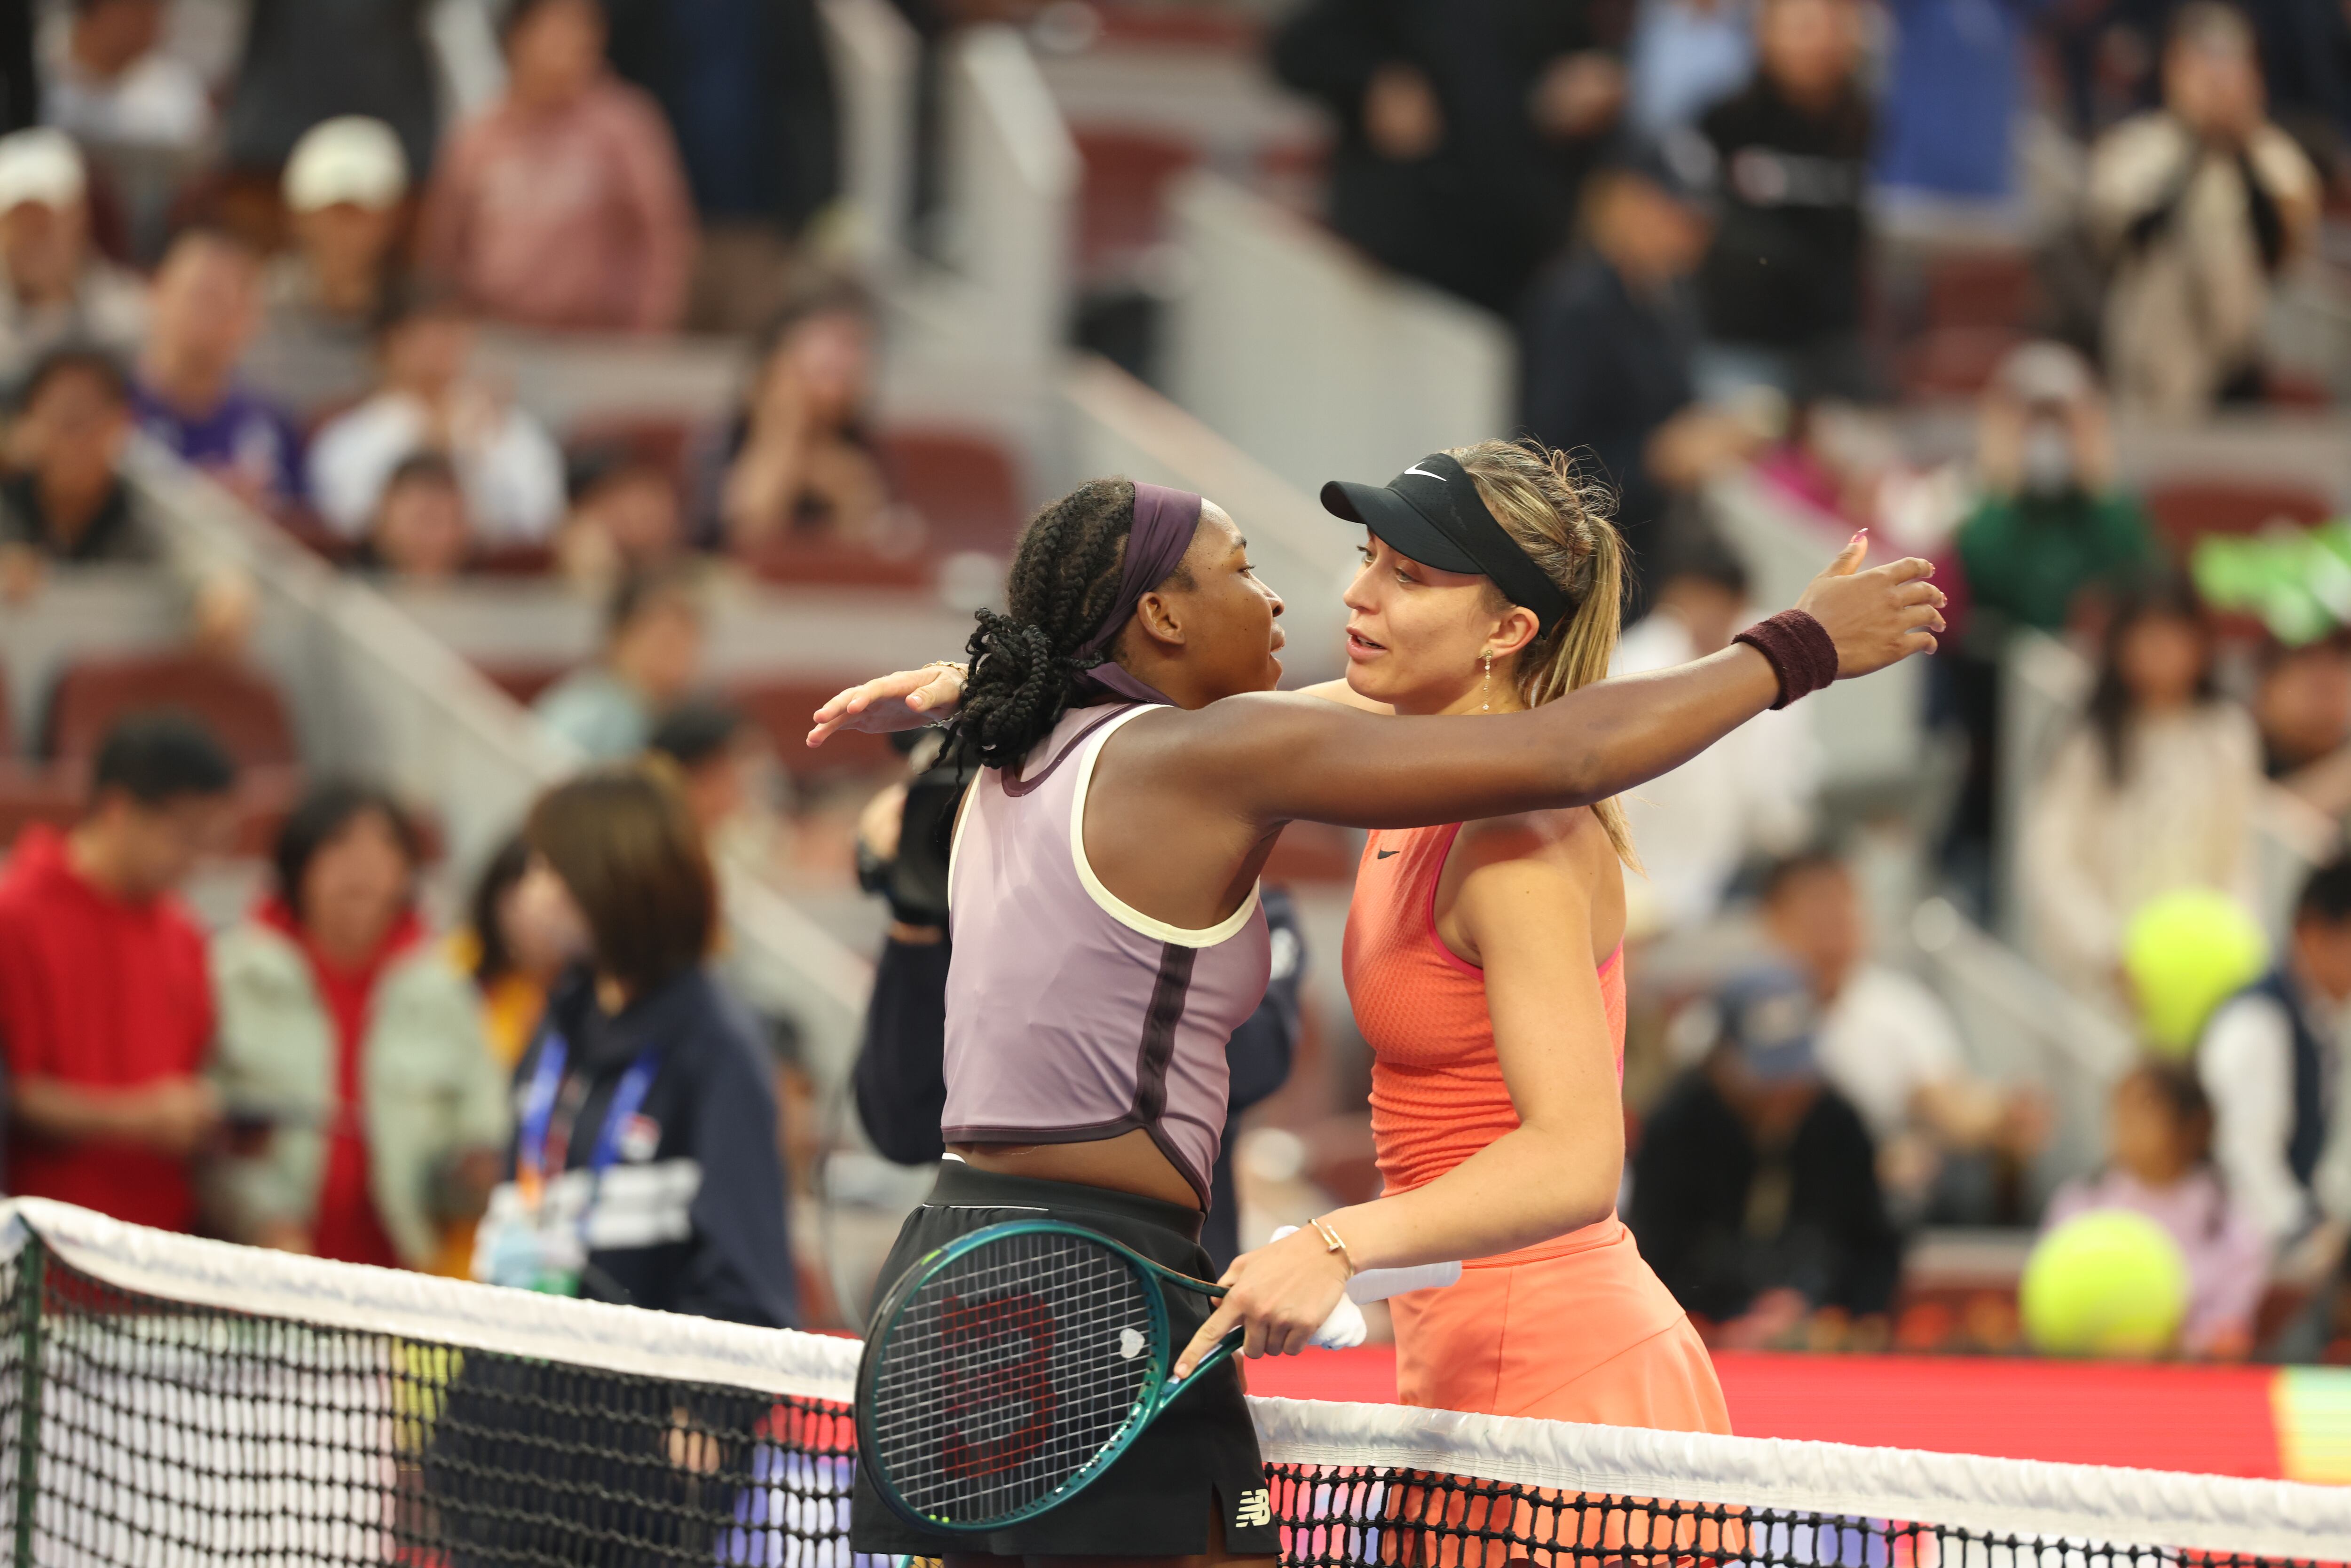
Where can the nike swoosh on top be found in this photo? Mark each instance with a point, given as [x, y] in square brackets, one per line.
[1425, 474]
[1384, 854]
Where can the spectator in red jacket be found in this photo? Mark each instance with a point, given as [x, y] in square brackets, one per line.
[564, 204]
[106, 1011]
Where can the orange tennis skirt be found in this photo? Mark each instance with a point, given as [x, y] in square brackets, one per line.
[1578, 1329]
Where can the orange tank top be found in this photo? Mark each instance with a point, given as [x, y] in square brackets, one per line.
[1437, 1094]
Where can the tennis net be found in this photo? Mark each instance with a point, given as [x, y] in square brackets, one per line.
[165, 1401]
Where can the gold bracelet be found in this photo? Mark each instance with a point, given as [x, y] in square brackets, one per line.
[1332, 1242]
[963, 671]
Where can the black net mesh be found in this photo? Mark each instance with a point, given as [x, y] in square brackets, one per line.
[151, 1433]
[147, 1433]
[1340, 1517]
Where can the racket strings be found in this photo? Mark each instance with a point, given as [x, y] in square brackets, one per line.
[1010, 1372]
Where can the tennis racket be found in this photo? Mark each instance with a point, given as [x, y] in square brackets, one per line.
[1010, 1367]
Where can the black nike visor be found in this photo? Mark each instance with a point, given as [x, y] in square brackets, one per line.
[1433, 513]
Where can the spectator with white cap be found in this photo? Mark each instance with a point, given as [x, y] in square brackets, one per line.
[56, 289]
[346, 192]
[110, 84]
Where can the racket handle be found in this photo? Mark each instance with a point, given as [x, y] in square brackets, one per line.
[1379, 1284]
[1344, 1329]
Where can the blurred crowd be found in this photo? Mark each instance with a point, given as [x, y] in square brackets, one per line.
[327, 1077]
[1727, 232]
[289, 260]
[300, 322]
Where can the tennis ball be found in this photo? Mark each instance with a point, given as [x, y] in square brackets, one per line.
[2186, 953]
[2111, 1282]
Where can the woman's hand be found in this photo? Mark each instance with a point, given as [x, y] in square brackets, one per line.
[906, 700]
[1878, 617]
[1280, 1293]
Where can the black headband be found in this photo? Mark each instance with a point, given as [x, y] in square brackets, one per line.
[1433, 513]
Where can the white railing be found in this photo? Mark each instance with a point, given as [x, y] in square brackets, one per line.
[1113, 423]
[2020, 1026]
[372, 692]
[978, 337]
[1869, 731]
[1311, 360]
[876, 59]
[78, 612]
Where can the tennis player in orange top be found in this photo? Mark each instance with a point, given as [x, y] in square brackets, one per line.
[1485, 959]
[1483, 962]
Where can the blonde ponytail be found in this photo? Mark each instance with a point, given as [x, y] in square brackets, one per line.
[1562, 520]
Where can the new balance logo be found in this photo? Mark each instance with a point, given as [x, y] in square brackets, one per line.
[1386, 853]
[1255, 1509]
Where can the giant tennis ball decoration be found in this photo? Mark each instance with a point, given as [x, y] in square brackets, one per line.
[2108, 1283]
[2186, 953]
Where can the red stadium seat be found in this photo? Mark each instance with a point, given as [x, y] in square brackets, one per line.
[1992, 289]
[823, 564]
[1954, 361]
[782, 707]
[1123, 202]
[524, 681]
[513, 560]
[664, 444]
[30, 794]
[2184, 511]
[962, 483]
[242, 707]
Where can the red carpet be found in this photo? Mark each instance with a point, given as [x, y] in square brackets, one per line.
[2218, 1421]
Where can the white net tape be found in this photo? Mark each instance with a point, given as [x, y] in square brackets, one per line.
[2079, 1503]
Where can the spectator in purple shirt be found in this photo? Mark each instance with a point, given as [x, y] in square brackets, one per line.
[206, 311]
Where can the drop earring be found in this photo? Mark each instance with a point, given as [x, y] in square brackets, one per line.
[1487, 691]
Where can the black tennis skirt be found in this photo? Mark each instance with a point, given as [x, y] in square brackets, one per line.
[1198, 1459]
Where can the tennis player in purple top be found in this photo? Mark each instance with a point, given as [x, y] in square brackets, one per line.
[1138, 765]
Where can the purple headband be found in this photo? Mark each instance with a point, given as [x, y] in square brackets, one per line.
[1165, 522]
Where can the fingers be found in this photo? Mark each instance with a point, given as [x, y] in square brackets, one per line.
[834, 714]
[835, 706]
[942, 687]
[1905, 570]
[1849, 559]
[1920, 591]
[1220, 1322]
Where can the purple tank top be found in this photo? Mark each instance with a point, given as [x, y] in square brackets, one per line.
[1070, 1015]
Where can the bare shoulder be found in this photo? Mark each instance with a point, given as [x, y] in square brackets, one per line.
[1345, 695]
[1571, 841]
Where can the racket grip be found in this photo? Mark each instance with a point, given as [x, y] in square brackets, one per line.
[1344, 1329]
[1379, 1284]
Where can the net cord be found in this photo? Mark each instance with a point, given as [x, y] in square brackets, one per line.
[434, 1311]
[1998, 1497]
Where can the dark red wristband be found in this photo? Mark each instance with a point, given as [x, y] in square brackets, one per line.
[1801, 651]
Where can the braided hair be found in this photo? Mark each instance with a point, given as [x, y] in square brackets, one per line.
[1024, 663]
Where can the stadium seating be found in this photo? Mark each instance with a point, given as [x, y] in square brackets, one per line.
[782, 707]
[963, 484]
[524, 680]
[1122, 202]
[242, 707]
[2185, 510]
[28, 793]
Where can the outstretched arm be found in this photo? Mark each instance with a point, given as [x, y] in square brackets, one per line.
[1278, 756]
